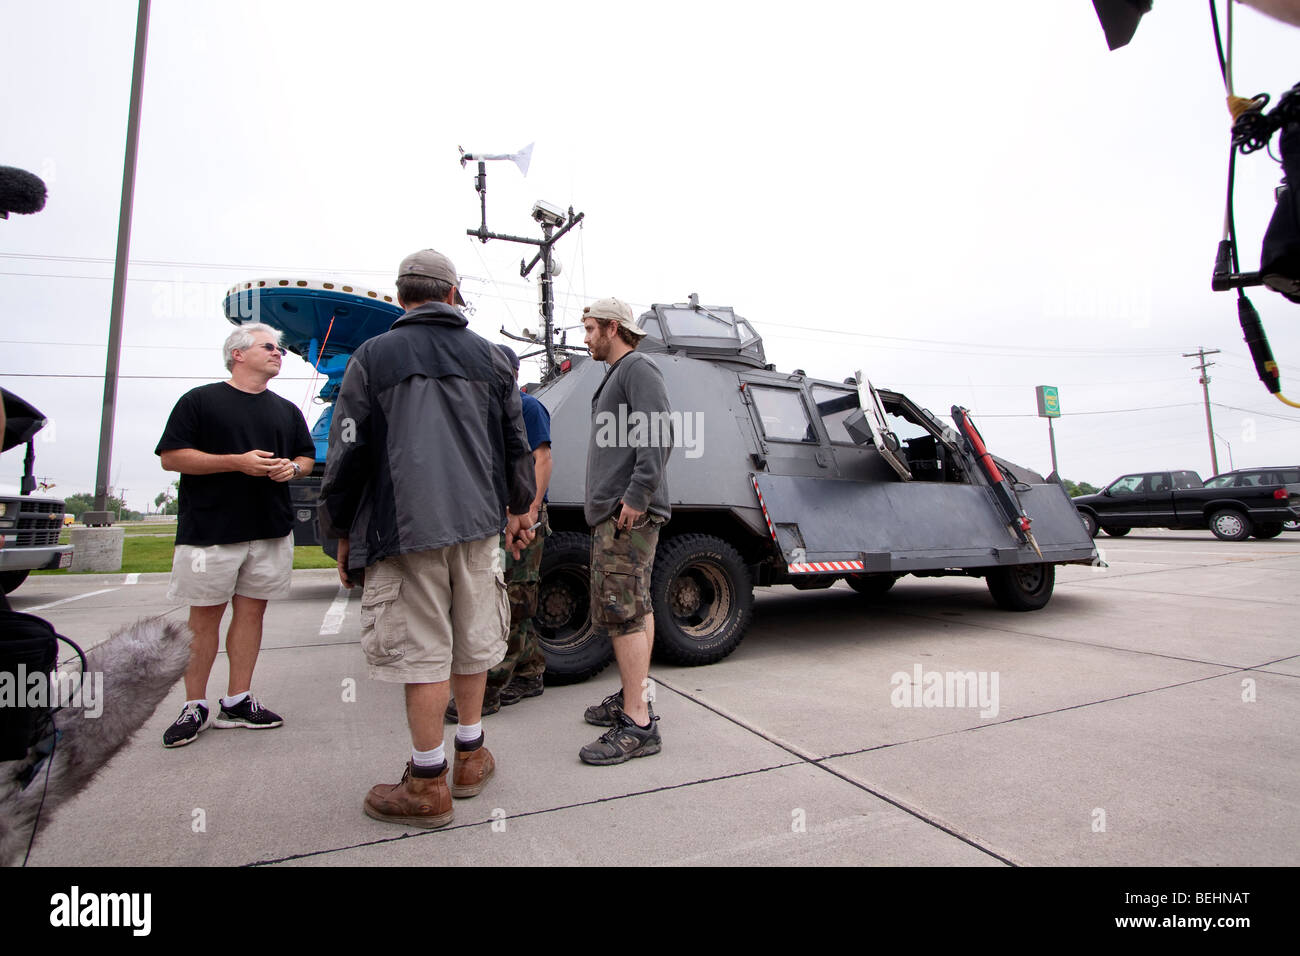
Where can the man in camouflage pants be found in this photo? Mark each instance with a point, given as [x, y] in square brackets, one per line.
[626, 503]
[519, 675]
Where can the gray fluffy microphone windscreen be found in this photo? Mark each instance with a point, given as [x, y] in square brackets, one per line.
[20, 192]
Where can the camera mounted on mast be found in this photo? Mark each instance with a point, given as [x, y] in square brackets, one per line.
[555, 224]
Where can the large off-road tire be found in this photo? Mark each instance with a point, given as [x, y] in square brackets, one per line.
[1117, 532]
[1089, 523]
[703, 597]
[574, 649]
[1023, 587]
[1266, 531]
[1230, 525]
[872, 585]
[9, 580]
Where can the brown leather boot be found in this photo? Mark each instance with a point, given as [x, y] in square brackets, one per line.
[415, 801]
[472, 770]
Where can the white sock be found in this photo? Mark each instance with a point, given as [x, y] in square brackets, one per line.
[428, 758]
[203, 702]
[468, 733]
[232, 701]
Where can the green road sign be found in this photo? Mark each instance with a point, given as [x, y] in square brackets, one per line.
[1049, 401]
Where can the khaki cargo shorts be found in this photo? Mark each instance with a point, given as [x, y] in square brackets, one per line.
[202, 577]
[621, 563]
[429, 614]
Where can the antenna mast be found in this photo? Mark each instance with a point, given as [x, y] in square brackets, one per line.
[555, 224]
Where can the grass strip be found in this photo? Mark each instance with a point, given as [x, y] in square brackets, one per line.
[148, 548]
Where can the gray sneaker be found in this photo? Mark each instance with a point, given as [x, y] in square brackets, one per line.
[623, 741]
[605, 714]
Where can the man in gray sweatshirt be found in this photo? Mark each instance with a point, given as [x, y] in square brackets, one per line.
[626, 503]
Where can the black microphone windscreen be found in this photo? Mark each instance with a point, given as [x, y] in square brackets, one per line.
[20, 192]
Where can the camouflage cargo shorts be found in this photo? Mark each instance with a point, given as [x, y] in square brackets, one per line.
[621, 563]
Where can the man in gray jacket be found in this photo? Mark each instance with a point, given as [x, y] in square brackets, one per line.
[627, 502]
[428, 460]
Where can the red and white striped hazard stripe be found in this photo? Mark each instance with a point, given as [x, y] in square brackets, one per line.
[824, 567]
[762, 505]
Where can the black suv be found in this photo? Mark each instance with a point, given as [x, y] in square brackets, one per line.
[1252, 477]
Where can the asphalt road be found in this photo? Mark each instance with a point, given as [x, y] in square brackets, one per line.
[1146, 716]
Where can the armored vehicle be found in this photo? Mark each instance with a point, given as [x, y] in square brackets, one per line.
[779, 478]
[774, 478]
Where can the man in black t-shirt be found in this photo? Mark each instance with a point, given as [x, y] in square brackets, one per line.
[236, 444]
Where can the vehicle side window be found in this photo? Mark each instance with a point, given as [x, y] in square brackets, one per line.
[833, 406]
[1250, 481]
[1221, 481]
[1157, 483]
[782, 413]
[1288, 476]
[1126, 485]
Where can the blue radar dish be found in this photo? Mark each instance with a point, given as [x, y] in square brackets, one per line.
[302, 309]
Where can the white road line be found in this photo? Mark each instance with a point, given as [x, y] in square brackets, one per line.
[132, 578]
[42, 607]
[334, 616]
[1219, 554]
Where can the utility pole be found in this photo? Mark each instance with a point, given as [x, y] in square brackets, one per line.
[1205, 385]
[100, 515]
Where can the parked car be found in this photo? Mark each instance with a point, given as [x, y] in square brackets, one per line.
[1234, 505]
[1269, 477]
[29, 524]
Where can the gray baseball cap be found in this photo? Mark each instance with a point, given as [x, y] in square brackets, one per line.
[431, 264]
[511, 356]
[616, 310]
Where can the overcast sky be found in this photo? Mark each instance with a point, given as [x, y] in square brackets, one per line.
[964, 200]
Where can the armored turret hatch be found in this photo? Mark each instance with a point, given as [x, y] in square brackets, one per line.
[702, 331]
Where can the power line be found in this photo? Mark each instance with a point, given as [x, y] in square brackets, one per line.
[1293, 419]
[963, 347]
[1107, 411]
[168, 263]
[166, 378]
[100, 345]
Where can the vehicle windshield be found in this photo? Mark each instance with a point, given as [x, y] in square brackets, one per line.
[1220, 481]
[1126, 485]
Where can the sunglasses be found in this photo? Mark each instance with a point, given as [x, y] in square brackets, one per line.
[272, 348]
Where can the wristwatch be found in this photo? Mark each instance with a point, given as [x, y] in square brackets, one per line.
[297, 471]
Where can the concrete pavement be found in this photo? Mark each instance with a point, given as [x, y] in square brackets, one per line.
[1146, 716]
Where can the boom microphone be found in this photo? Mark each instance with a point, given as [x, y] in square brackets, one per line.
[20, 192]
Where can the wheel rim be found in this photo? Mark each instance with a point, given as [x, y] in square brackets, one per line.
[563, 606]
[1229, 524]
[700, 600]
[1029, 577]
